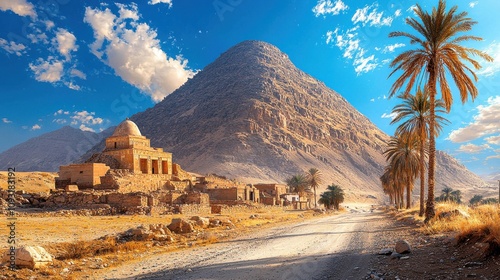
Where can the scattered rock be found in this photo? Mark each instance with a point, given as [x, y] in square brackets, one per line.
[395, 255]
[179, 225]
[473, 264]
[386, 251]
[402, 247]
[200, 221]
[29, 257]
[404, 258]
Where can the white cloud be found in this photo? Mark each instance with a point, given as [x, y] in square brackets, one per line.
[49, 70]
[392, 48]
[85, 117]
[349, 43]
[372, 100]
[36, 127]
[65, 42]
[60, 121]
[12, 48]
[397, 13]
[388, 116]
[369, 15]
[473, 4]
[486, 122]
[61, 112]
[497, 156]
[494, 140]
[77, 73]
[364, 64]
[473, 149]
[19, 7]
[5, 120]
[491, 68]
[134, 52]
[49, 24]
[86, 128]
[154, 2]
[324, 7]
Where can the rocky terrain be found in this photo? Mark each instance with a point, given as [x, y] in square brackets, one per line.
[252, 115]
[48, 151]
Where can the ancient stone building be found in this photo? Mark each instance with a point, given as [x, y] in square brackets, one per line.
[85, 176]
[126, 150]
[270, 194]
[134, 151]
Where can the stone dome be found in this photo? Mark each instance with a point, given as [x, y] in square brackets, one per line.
[127, 128]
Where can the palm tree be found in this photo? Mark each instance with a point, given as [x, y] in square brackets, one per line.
[437, 57]
[403, 155]
[415, 114]
[446, 193]
[333, 196]
[314, 177]
[476, 199]
[326, 200]
[298, 183]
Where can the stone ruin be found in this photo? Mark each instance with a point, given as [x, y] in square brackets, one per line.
[131, 177]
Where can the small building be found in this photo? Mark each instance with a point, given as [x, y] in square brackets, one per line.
[270, 194]
[134, 151]
[233, 194]
[128, 150]
[85, 175]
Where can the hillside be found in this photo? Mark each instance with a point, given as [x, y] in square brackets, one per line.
[50, 150]
[252, 115]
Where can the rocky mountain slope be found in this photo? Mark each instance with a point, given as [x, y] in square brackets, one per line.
[48, 151]
[252, 115]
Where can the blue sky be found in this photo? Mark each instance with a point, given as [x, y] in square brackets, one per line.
[91, 65]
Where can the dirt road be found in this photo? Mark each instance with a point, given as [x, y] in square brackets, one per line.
[333, 247]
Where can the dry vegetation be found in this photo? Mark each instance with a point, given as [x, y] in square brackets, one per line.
[476, 224]
[32, 182]
[85, 246]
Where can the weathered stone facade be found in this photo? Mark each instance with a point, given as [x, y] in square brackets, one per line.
[85, 176]
[270, 194]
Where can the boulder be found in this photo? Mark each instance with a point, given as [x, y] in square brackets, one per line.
[141, 233]
[200, 221]
[179, 225]
[29, 257]
[402, 247]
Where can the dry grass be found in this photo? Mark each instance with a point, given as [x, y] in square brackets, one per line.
[32, 182]
[480, 224]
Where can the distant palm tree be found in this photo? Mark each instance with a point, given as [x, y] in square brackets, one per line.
[402, 153]
[476, 199]
[446, 194]
[332, 197]
[314, 176]
[298, 183]
[456, 196]
[438, 56]
[326, 200]
[415, 114]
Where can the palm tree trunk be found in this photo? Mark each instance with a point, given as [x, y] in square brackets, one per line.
[429, 211]
[315, 199]
[422, 166]
[408, 194]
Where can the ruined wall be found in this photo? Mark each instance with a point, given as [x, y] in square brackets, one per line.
[124, 181]
[226, 194]
[85, 175]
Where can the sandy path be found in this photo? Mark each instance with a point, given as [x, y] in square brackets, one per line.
[333, 247]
